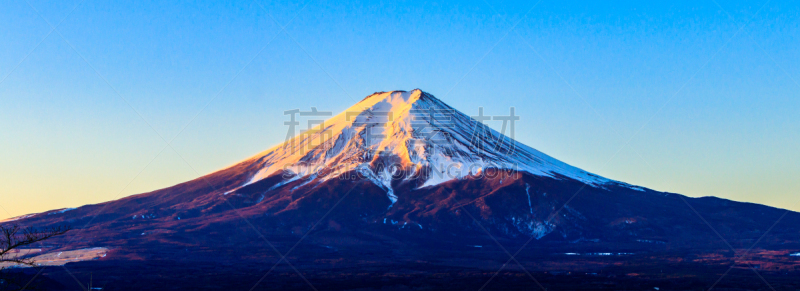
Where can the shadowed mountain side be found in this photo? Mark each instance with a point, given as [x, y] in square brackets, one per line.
[372, 190]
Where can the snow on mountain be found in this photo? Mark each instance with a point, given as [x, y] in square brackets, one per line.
[395, 135]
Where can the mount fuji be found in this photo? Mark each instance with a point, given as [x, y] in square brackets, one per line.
[403, 182]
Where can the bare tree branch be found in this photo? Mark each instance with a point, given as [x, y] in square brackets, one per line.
[14, 238]
[13, 242]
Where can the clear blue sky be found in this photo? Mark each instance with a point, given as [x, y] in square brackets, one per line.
[685, 97]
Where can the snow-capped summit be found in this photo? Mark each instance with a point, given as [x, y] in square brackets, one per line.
[405, 132]
[422, 187]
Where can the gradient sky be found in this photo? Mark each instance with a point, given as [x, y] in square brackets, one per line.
[689, 97]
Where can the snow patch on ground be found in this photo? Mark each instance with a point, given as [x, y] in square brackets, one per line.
[19, 217]
[62, 257]
[537, 229]
[385, 184]
[598, 254]
[61, 211]
[528, 187]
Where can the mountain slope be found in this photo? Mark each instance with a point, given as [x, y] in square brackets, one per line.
[402, 169]
[397, 132]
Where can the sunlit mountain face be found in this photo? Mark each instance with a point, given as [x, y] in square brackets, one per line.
[403, 191]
